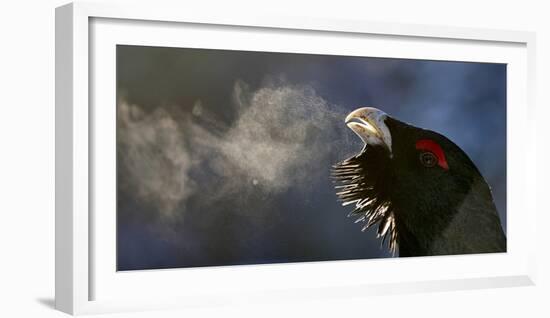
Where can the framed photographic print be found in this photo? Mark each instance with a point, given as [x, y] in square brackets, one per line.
[204, 158]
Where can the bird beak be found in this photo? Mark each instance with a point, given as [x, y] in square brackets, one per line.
[368, 123]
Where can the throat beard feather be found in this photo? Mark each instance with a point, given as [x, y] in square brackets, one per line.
[363, 181]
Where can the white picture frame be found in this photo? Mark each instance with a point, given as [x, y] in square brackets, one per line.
[86, 281]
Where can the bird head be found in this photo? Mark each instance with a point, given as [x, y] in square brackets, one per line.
[410, 181]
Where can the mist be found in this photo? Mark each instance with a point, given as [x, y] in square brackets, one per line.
[169, 158]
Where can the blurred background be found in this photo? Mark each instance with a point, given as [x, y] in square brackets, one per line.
[224, 156]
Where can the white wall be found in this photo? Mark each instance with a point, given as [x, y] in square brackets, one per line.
[27, 158]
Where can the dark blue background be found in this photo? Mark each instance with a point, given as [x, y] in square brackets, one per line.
[464, 101]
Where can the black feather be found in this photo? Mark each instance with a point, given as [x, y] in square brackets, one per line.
[365, 183]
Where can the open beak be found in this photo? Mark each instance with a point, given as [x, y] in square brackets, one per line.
[368, 123]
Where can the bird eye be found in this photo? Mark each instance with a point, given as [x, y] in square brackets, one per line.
[428, 159]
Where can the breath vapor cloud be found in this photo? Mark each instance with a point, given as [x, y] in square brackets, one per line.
[281, 139]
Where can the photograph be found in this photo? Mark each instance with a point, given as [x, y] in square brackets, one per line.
[230, 157]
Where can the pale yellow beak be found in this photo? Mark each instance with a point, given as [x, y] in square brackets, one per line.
[368, 123]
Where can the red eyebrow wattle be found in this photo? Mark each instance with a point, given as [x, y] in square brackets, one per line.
[433, 147]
